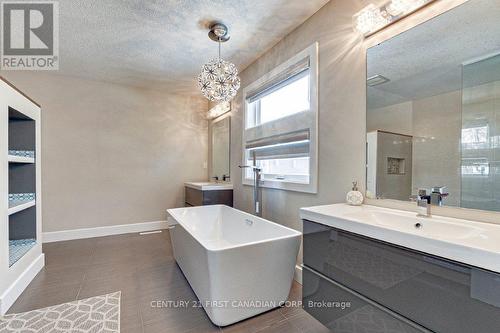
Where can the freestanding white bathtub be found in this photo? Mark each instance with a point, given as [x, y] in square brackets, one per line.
[239, 265]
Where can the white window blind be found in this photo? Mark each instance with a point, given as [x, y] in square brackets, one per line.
[290, 145]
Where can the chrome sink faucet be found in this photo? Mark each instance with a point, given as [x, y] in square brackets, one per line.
[438, 194]
[423, 203]
[256, 188]
[423, 207]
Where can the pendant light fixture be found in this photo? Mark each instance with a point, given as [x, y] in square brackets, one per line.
[218, 80]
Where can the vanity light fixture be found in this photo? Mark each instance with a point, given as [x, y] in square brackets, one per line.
[219, 110]
[218, 80]
[370, 18]
[373, 18]
[398, 7]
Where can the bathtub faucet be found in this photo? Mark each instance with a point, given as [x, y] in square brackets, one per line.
[256, 187]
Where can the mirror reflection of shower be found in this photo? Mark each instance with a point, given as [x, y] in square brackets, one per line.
[480, 142]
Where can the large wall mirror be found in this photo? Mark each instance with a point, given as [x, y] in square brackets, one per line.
[433, 111]
[221, 143]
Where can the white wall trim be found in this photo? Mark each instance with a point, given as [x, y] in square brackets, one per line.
[298, 274]
[17, 287]
[63, 235]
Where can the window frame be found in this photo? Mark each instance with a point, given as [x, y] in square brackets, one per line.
[297, 119]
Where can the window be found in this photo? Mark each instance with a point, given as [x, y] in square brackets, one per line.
[283, 157]
[475, 167]
[280, 133]
[287, 98]
[475, 137]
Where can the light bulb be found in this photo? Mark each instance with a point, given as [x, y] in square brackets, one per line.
[400, 7]
[370, 19]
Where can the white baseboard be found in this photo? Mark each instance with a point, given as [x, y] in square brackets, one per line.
[298, 274]
[56, 236]
[15, 290]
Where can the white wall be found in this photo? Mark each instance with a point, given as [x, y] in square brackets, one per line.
[397, 118]
[112, 154]
[437, 129]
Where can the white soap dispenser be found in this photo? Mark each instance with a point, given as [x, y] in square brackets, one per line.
[354, 197]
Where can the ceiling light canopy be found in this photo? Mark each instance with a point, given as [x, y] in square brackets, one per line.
[219, 80]
[373, 18]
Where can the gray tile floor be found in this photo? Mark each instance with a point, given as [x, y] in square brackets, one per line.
[143, 268]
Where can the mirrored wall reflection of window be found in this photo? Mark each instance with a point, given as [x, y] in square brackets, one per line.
[481, 134]
[439, 83]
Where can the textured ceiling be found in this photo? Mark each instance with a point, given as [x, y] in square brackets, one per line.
[426, 60]
[162, 44]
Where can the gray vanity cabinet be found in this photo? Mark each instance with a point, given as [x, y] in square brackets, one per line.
[389, 285]
[341, 310]
[196, 197]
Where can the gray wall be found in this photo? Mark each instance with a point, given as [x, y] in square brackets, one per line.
[394, 186]
[112, 154]
[342, 105]
[341, 113]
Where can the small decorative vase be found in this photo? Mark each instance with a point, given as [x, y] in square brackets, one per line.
[354, 197]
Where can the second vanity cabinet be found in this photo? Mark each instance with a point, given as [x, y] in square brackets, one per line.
[393, 289]
[203, 194]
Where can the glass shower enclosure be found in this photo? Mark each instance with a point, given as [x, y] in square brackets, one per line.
[480, 142]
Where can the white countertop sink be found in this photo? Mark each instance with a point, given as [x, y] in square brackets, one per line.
[473, 243]
[209, 186]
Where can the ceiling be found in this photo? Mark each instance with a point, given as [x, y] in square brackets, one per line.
[162, 44]
[427, 60]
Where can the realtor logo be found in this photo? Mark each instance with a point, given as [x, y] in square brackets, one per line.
[29, 36]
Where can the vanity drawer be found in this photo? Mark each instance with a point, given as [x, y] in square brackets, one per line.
[194, 197]
[342, 311]
[221, 197]
[441, 295]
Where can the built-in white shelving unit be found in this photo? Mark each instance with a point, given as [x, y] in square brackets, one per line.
[20, 205]
[21, 255]
[18, 248]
